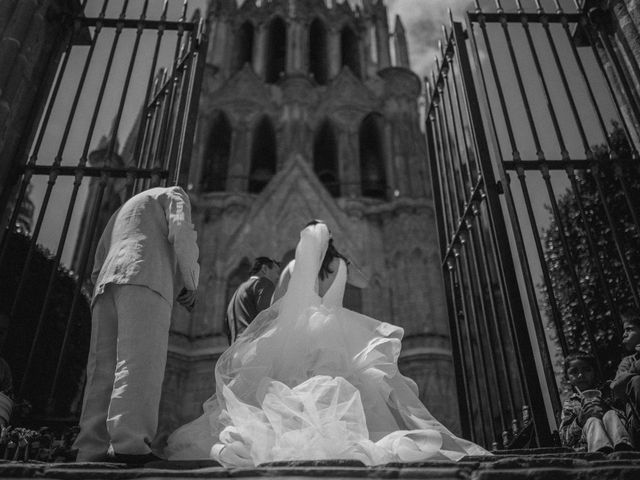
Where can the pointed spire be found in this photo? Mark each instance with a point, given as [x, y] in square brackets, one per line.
[248, 5]
[400, 44]
[218, 7]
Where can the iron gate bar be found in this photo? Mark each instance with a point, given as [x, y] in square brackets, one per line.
[561, 165]
[584, 22]
[448, 54]
[475, 201]
[593, 251]
[478, 239]
[565, 156]
[631, 204]
[75, 170]
[443, 122]
[186, 143]
[125, 87]
[595, 169]
[470, 197]
[631, 60]
[523, 185]
[563, 77]
[622, 75]
[448, 205]
[442, 116]
[468, 212]
[53, 177]
[178, 74]
[142, 128]
[474, 294]
[152, 125]
[130, 23]
[446, 152]
[50, 184]
[464, 401]
[524, 352]
[554, 119]
[476, 379]
[613, 155]
[514, 17]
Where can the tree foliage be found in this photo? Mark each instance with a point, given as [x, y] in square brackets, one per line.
[22, 327]
[601, 314]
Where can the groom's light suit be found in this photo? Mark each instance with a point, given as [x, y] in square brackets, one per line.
[145, 256]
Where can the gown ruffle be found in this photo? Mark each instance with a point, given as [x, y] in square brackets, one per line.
[312, 380]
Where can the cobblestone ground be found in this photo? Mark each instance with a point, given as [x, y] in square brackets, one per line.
[543, 464]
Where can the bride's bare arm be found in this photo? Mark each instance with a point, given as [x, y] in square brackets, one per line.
[283, 282]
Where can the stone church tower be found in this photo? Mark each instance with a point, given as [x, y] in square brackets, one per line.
[308, 110]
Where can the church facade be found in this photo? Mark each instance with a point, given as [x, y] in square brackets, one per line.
[309, 110]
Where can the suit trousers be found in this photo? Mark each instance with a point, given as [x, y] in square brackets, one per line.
[125, 370]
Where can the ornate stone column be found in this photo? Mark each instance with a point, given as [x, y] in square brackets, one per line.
[295, 47]
[335, 56]
[33, 34]
[237, 179]
[349, 158]
[260, 50]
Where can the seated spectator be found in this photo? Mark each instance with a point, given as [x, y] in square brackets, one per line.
[626, 385]
[589, 422]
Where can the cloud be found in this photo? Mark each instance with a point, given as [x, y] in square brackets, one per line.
[423, 20]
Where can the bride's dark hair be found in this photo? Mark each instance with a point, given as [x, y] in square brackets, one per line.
[330, 254]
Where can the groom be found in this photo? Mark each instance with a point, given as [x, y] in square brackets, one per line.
[146, 254]
[251, 297]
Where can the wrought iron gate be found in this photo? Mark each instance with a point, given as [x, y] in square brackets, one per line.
[114, 63]
[537, 206]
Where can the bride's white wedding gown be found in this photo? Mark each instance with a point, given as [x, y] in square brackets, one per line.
[311, 380]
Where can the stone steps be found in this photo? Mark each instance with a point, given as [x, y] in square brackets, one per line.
[541, 464]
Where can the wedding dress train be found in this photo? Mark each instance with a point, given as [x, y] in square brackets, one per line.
[311, 380]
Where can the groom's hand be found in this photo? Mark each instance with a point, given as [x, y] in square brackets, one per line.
[187, 298]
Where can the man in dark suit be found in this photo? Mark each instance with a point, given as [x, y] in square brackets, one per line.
[251, 297]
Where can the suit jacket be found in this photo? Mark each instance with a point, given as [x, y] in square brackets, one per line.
[628, 368]
[247, 302]
[149, 241]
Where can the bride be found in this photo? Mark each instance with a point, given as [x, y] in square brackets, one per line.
[311, 380]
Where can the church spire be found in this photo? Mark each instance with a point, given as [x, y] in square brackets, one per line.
[400, 44]
[222, 6]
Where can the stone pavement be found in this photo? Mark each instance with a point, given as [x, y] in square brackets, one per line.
[540, 464]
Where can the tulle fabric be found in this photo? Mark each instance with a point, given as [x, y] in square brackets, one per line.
[311, 380]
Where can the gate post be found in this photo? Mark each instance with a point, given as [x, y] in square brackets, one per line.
[32, 34]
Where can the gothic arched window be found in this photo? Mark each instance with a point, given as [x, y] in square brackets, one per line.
[325, 158]
[217, 155]
[350, 50]
[276, 50]
[263, 156]
[245, 44]
[372, 169]
[318, 58]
